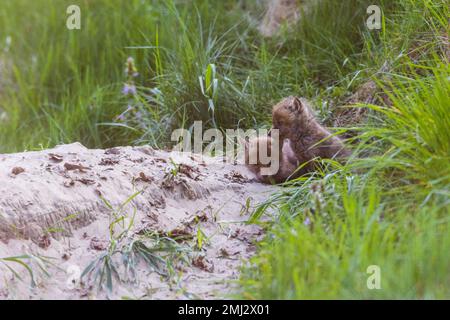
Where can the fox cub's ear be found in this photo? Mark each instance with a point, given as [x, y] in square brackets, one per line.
[296, 105]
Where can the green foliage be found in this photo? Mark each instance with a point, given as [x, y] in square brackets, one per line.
[198, 60]
[389, 205]
[125, 251]
[34, 264]
[205, 60]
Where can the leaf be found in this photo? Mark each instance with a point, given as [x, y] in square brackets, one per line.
[23, 264]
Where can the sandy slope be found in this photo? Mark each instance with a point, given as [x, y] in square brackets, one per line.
[51, 205]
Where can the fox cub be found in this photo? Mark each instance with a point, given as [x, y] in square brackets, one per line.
[294, 119]
[287, 161]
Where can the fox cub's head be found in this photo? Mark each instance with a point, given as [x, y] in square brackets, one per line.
[291, 113]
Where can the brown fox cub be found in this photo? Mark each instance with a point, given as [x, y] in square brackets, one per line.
[294, 119]
[286, 164]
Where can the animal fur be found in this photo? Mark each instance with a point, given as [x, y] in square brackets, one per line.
[287, 163]
[294, 119]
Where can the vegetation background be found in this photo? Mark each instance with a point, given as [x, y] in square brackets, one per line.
[387, 90]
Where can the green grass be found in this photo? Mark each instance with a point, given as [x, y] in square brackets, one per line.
[394, 214]
[35, 265]
[119, 260]
[389, 209]
[67, 84]
[351, 229]
[204, 60]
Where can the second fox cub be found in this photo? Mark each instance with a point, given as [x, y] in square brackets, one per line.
[287, 160]
[294, 119]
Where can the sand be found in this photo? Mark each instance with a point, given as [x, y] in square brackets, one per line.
[60, 203]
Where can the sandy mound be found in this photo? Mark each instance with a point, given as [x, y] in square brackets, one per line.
[149, 223]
